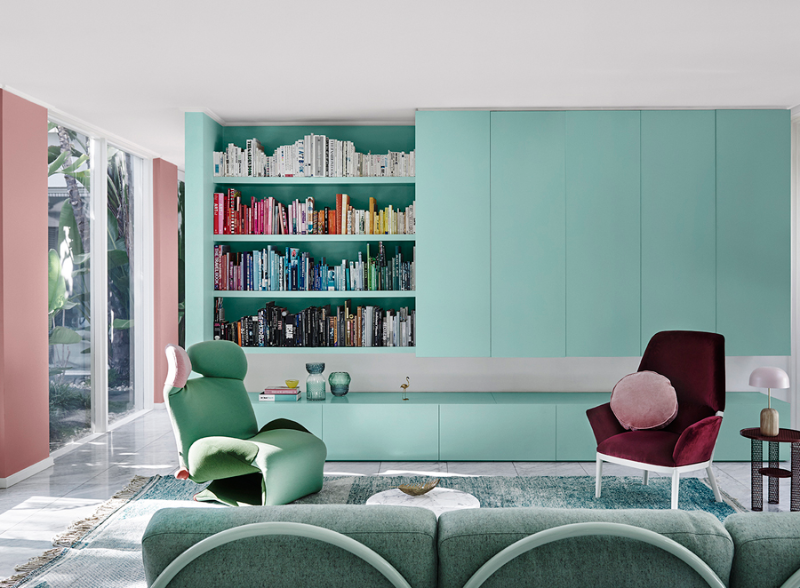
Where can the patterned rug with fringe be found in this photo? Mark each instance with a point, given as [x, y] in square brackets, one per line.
[104, 550]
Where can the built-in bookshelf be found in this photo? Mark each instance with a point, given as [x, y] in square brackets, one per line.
[203, 138]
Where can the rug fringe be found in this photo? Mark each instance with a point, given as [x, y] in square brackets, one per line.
[31, 566]
[78, 529]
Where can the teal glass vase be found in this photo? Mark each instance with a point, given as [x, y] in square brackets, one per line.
[340, 383]
[315, 382]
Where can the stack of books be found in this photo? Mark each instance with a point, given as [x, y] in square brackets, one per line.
[280, 394]
[271, 269]
[323, 326]
[269, 217]
[313, 156]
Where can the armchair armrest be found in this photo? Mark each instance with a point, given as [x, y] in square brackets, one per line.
[603, 422]
[696, 443]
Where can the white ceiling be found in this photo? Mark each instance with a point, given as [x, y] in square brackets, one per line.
[133, 68]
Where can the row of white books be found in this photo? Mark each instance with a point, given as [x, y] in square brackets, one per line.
[311, 157]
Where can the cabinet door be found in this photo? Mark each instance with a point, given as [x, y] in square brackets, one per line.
[452, 255]
[678, 221]
[603, 238]
[754, 231]
[528, 235]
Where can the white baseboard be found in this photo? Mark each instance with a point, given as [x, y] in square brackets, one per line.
[160, 406]
[26, 473]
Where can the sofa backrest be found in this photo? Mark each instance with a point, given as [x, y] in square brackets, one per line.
[405, 537]
[469, 538]
[767, 548]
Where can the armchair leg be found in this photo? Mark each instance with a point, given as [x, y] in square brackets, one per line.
[599, 481]
[713, 481]
[646, 478]
[675, 487]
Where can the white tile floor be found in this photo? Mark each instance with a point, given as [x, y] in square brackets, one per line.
[38, 508]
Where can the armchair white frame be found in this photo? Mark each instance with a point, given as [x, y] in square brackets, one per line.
[673, 472]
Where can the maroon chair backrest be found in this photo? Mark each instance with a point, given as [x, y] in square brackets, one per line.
[694, 362]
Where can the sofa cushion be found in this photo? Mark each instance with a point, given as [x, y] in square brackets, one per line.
[644, 400]
[469, 538]
[767, 548]
[405, 537]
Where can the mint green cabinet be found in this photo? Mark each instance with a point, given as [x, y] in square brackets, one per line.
[381, 432]
[528, 234]
[742, 411]
[308, 414]
[575, 440]
[452, 255]
[754, 231]
[678, 221]
[497, 432]
[603, 233]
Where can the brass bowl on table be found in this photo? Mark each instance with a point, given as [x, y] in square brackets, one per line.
[418, 489]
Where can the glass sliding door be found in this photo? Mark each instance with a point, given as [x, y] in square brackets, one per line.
[125, 188]
[69, 278]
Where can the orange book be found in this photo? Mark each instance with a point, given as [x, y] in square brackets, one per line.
[371, 223]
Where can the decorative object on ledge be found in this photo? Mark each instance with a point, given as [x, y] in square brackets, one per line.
[405, 388]
[769, 377]
[340, 383]
[315, 383]
[418, 489]
[292, 383]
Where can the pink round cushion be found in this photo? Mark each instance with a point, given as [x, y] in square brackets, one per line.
[178, 367]
[644, 400]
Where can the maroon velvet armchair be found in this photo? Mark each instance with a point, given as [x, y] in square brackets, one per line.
[695, 364]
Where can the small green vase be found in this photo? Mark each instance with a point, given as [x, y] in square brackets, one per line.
[340, 383]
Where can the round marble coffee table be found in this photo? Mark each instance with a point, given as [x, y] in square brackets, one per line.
[438, 500]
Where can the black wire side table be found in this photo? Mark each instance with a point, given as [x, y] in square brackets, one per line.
[773, 472]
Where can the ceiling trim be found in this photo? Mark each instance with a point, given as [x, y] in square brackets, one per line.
[84, 127]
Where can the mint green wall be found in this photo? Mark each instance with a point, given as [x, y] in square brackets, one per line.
[603, 233]
[754, 231]
[678, 222]
[528, 234]
[453, 208]
[203, 137]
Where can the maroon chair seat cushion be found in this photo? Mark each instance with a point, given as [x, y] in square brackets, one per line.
[651, 447]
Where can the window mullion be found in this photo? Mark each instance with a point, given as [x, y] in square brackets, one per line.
[99, 279]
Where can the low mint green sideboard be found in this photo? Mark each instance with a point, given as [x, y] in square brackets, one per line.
[476, 426]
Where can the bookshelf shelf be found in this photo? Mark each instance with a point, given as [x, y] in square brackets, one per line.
[270, 295]
[312, 238]
[222, 180]
[204, 137]
[327, 350]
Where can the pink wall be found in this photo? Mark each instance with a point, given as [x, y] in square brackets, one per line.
[165, 267]
[24, 403]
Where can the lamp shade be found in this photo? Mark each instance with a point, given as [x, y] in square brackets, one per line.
[769, 377]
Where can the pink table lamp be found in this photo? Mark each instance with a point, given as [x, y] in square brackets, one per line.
[769, 377]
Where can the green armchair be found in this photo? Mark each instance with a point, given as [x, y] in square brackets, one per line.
[219, 440]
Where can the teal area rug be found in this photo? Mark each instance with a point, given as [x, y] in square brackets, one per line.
[104, 550]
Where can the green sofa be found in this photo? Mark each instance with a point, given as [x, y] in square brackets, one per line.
[750, 550]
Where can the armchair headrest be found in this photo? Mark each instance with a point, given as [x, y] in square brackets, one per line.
[218, 359]
[178, 368]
